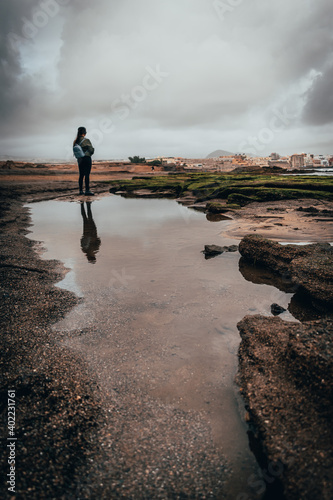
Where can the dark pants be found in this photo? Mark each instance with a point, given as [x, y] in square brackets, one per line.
[84, 169]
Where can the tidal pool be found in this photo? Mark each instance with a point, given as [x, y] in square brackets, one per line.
[156, 312]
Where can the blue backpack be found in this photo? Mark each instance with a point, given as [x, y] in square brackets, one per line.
[78, 151]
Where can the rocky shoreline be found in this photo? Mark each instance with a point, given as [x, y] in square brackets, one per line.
[286, 373]
[308, 267]
[57, 404]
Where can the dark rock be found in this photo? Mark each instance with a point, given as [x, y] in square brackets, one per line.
[276, 309]
[309, 209]
[219, 208]
[8, 165]
[300, 305]
[286, 377]
[216, 217]
[313, 211]
[309, 266]
[212, 250]
[286, 369]
[231, 248]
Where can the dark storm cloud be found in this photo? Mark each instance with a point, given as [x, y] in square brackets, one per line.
[13, 94]
[23, 95]
[226, 73]
[306, 39]
[318, 109]
[319, 106]
[311, 48]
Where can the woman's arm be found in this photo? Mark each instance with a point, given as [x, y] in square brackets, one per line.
[87, 147]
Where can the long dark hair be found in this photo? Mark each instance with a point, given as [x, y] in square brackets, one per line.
[80, 132]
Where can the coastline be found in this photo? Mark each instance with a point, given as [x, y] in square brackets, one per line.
[57, 404]
[285, 368]
[39, 367]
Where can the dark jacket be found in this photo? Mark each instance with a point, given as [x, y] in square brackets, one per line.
[86, 146]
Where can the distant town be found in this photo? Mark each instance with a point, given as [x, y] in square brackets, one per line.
[227, 163]
[215, 162]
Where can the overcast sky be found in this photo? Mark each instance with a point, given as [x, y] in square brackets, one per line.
[166, 77]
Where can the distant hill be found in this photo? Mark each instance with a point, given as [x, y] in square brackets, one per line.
[219, 152]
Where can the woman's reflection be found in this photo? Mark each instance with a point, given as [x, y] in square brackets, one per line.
[90, 242]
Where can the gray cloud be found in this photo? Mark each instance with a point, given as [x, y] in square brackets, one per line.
[225, 73]
[14, 89]
[319, 106]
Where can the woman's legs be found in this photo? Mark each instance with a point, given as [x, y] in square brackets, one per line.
[88, 163]
[84, 169]
[81, 176]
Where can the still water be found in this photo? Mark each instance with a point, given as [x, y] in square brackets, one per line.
[155, 311]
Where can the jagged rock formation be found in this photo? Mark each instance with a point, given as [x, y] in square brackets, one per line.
[309, 266]
[286, 374]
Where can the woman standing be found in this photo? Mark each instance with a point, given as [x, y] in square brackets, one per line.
[85, 162]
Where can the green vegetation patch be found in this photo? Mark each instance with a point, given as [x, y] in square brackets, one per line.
[154, 184]
[240, 199]
[220, 208]
[238, 189]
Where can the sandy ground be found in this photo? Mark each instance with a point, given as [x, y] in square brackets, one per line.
[282, 221]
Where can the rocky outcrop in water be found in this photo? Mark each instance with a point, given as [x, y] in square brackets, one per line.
[286, 371]
[308, 266]
[276, 309]
[285, 375]
[220, 208]
[213, 250]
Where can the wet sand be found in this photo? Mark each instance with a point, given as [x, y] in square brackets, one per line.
[281, 221]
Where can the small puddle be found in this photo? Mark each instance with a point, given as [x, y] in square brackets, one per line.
[156, 312]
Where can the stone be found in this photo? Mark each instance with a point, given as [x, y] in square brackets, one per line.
[307, 266]
[218, 208]
[217, 217]
[276, 309]
[231, 248]
[286, 377]
[212, 250]
[309, 209]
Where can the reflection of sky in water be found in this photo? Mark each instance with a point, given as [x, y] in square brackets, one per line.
[327, 172]
[150, 276]
[125, 226]
[156, 241]
[114, 216]
[69, 281]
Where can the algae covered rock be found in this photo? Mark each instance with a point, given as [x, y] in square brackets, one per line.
[220, 208]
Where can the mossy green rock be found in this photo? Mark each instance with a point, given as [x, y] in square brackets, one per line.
[219, 208]
[237, 189]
